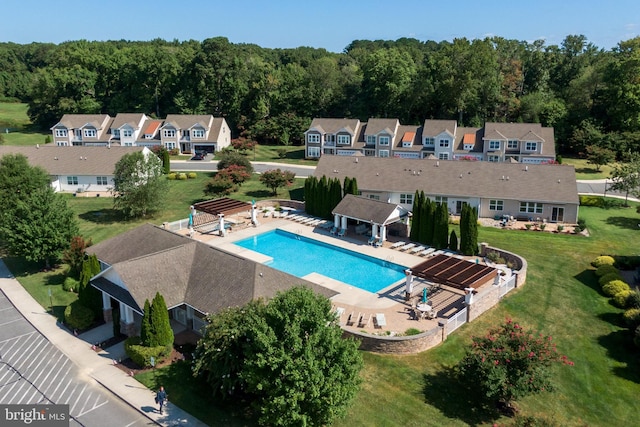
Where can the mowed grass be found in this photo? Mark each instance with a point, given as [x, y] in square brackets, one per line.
[13, 116]
[585, 170]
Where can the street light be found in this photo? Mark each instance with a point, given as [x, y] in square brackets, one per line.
[50, 299]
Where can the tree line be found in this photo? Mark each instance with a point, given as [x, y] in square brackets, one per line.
[588, 94]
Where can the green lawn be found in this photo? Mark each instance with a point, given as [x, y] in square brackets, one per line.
[585, 170]
[13, 116]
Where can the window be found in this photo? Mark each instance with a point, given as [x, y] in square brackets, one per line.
[512, 144]
[429, 141]
[440, 199]
[383, 153]
[170, 145]
[374, 196]
[90, 133]
[444, 143]
[531, 207]
[169, 133]
[62, 143]
[61, 132]
[101, 180]
[531, 146]
[443, 156]
[406, 199]
[72, 180]
[77, 133]
[127, 133]
[197, 133]
[496, 205]
[313, 138]
[494, 145]
[384, 140]
[371, 140]
[313, 152]
[344, 139]
[116, 133]
[328, 138]
[148, 136]
[468, 146]
[493, 158]
[127, 144]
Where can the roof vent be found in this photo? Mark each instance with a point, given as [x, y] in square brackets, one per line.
[437, 163]
[460, 176]
[377, 174]
[502, 177]
[356, 160]
[507, 177]
[558, 181]
[526, 168]
[55, 158]
[37, 145]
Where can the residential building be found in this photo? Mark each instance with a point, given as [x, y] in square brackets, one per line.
[75, 169]
[436, 139]
[184, 133]
[545, 192]
[194, 278]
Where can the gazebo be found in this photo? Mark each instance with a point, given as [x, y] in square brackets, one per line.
[379, 215]
[457, 273]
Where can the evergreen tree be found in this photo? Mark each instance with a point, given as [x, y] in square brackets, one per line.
[89, 296]
[323, 196]
[346, 187]
[429, 221]
[354, 186]
[415, 218]
[145, 326]
[464, 228]
[441, 227]
[469, 230]
[453, 241]
[161, 332]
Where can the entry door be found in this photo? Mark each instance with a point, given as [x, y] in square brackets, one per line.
[557, 214]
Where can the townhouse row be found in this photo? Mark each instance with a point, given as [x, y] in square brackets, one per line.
[184, 133]
[435, 139]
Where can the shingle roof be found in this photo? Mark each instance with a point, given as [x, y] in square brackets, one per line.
[150, 259]
[436, 127]
[375, 126]
[72, 160]
[330, 126]
[75, 121]
[365, 209]
[511, 181]
[132, 119]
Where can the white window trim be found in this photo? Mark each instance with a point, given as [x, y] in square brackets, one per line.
[61, 132]
[406, 198]
[531, 207]
[383, 153]
[384, 140]
[102, 180]
[198, 134]
[529, 144]
[89, 133]
[443, 156]
[444, 143]
[72, 180]
[313, 138]
[496, 205]
[313, 151]
[492, 145]
[429, 142]
[512, 144]
[344, 140]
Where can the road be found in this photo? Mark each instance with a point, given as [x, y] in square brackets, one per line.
[34, 371]
[211, 166]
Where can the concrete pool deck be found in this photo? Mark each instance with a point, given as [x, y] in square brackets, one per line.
[389, 301]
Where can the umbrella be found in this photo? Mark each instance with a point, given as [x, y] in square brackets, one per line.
[424, 296]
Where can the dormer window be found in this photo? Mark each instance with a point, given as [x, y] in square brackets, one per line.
[198, 133]
[512, 144]
[344, 139]
[468, 147]
[169, 133]
[89, 133]
[494, 145]
[127, 133]
[116, 133]
[371, 140]
[61, 132]
[531, 146]
[384, 140]
[313, 138]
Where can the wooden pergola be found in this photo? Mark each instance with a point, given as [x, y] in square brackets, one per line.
[224, 205]
[454, 272]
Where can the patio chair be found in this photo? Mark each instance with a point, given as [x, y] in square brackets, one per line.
[398, 244]
[267, 214]
[364, 321]
[333, 230]
[352, 318]
[417, 249]
[339, 312]
[427, 251]
[406, 247]
[372, 240]
[378, 242]
[342, 232]
[284, 214]
[379, 321]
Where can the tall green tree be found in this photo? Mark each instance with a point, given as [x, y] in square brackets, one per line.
[89, 296]
[441, 226]
[145, 325]
[139, 184]
[287, 358]
[277, 178]
[161, 333]
[599, 156]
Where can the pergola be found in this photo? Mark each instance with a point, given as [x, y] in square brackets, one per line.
[224, 206]
[454, 272]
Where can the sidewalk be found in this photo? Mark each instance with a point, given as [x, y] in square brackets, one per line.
[99, 366]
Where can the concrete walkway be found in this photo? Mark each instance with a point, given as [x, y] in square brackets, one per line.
[99, 366]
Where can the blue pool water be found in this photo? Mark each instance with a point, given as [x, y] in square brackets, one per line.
[299, 256]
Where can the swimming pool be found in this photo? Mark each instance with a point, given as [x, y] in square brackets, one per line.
[299, 255]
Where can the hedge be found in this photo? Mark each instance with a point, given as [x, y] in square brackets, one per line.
[70, 284]
[192, 175]
[141, 355]
[77, 316]
[609, 278]
[603, 260]
[605, 269]
[632, 318]
[614, 287]
[623, 299]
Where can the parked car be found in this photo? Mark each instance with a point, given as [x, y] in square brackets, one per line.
[199, 155]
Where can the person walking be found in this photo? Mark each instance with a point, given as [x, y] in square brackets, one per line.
[161, 398]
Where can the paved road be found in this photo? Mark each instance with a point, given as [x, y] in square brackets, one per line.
[211, 166]
[32, 370]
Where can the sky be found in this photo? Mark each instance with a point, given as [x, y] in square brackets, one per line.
[328, 24]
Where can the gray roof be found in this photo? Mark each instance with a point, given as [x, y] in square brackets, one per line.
[331, 126]
[436, 127]
[72, 160]
[375, 126]
[416, 143]
[75, 121]
[510, 181]
[150, 259]
[365, 209]
[132, 119]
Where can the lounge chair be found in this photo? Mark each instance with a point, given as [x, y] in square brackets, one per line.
[378, 242]
[267, 214]
[427, 251]
[339, 312]
[406, 247]
[352, 318]
[398, 244]
[417, 249]
[284, 214]
[372, 240]
[333, 230]
[364, 321]
[379, 321]
[342, 232]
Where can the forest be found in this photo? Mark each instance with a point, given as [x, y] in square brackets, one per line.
[591, 96]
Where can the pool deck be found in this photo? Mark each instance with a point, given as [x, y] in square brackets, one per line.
[389, 301]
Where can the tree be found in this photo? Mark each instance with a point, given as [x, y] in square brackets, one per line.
[243, 144]
[599, 156]
[220, 185]
[286, 357]
[510, 363]
[277, 178]
[75, 254]
[453, 241]
[235, 173]
[626, 177]
[35, 222]
[89, 296]
[145, 324]
[468, 230]
[139, 185]
[441, 226]
[161, 333]
[228, 158]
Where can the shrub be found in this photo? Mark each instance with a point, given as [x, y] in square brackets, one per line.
[412, 331]
[605, 269]
[174, 152]
[632, 318]
[634, 300]
[622, 299]
[614, 287]
[527, 226]
[77, 316]
[70, 284]
[171, 176]
[609, 278]
[543, 226]
[141, 355]
[192, 175]
[182, 176]
[603, 260]
[596, 201]
[560, 228]
[282, 153]
[582, 224]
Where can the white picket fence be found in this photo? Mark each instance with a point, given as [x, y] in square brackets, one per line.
[507, 286]
[456, 321]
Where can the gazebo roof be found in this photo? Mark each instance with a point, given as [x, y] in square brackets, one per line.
[454, 272]
[223, 205]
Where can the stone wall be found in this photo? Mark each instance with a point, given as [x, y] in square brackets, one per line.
[398, 345]
[519, 264]
[483, 301]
